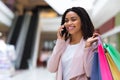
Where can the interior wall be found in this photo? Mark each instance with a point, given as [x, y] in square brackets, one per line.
[117, 19]
[107, 26]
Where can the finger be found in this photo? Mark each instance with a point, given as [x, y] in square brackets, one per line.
[94, 39]
[59, 32]
[64, 35]
[68, 34]
[95, 35]
[61, 27]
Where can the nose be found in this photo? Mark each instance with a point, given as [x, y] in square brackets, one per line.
[69, 22]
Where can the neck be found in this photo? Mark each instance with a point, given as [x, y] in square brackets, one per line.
[75, 39]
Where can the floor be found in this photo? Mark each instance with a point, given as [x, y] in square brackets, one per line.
[34, 74]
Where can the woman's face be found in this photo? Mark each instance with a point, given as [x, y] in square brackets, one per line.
[72, 23]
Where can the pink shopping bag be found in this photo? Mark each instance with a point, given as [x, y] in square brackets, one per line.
[104, 66]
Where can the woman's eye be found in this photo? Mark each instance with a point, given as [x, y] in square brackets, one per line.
[66, 20]
[73, 19]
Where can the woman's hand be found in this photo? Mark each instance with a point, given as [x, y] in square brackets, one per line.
[91, 40]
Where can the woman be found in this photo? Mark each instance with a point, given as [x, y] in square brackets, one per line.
[73, 52]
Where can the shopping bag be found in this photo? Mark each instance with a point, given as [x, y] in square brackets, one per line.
[114, 54]
[95, 72]
[104, 66]
[113, 67]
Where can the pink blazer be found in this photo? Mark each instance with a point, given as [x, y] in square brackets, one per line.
[81, 64]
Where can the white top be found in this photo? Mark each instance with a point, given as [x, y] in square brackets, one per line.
[67, 60]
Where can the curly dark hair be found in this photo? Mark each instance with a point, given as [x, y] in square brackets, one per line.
[87, 25]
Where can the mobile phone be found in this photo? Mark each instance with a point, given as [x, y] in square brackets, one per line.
[64, 31]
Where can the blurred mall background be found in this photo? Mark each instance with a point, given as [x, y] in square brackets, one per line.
[31, 26]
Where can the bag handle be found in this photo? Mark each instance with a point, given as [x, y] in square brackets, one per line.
[99, 40]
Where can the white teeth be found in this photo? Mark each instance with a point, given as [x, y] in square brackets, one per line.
[70, 28]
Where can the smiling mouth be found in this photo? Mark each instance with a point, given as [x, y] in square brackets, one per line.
[71, 28]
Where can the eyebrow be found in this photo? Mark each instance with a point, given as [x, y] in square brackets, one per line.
[72, 17]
